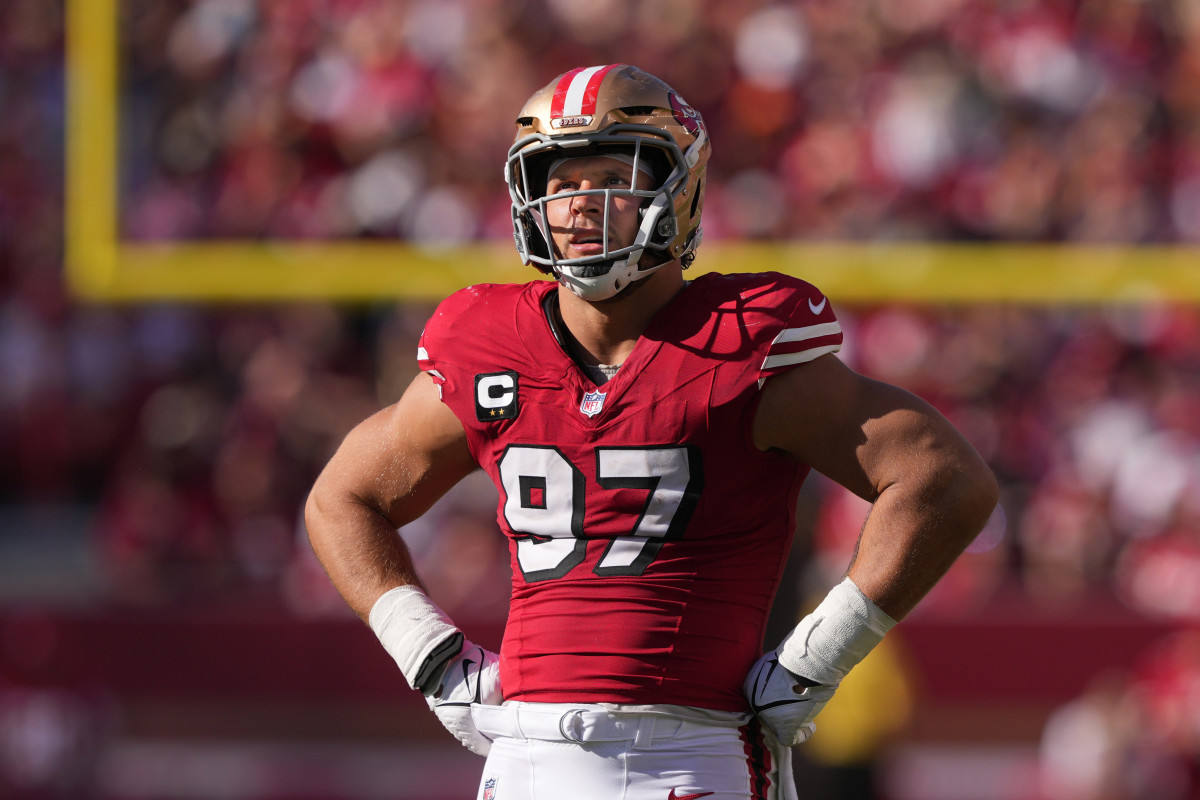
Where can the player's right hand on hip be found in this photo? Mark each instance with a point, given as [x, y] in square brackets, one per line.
[472, 676]
[785, 702]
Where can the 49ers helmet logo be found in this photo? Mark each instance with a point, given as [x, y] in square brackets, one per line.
[685, 115]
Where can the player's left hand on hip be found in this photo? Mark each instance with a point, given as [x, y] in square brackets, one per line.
[785, 702]
[472, 676]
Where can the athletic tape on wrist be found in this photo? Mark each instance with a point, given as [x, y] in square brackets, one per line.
[416, 634]
[835, 636]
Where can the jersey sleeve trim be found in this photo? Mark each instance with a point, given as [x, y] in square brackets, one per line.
[775, 362]
[426, 365]
[800, 345]
[807, 332]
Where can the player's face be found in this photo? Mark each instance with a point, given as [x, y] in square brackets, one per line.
[577, 223]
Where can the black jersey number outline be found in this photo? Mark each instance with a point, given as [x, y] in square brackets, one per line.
[545, 496]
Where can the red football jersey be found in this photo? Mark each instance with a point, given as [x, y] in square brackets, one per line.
[647, 532]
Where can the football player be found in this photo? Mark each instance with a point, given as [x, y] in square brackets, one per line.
[648, 436]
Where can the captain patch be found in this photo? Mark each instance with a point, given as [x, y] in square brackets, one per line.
[496, 396]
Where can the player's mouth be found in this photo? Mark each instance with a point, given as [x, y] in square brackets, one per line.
[586, 243]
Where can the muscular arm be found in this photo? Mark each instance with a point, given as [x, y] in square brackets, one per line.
[931, 491]
[387, 472]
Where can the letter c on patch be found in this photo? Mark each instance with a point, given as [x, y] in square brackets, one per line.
[495, 391]
[496, 396]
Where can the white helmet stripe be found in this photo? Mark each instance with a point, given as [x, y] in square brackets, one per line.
[573, 103]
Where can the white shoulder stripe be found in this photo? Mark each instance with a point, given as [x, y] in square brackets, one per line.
[807, 332]
[788, 359]
[573, 102]
[422, 354]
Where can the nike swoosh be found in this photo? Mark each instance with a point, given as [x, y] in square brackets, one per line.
[467, 677]
[673, 796]
[758, 709]
[818, 308]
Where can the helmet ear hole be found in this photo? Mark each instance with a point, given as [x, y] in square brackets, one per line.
[696, 197]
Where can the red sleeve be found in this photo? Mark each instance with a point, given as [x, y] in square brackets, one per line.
[811, 330]
[447, 345]
[470, 334]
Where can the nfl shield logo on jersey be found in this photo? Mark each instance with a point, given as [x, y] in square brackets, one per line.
[593, 403]
[489, 789]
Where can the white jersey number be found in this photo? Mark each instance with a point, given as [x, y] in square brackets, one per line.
[545, 498]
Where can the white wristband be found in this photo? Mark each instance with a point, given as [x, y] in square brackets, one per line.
[835, 636]
[416, 633]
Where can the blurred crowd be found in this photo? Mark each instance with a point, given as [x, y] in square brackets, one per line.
[1048, 120]
[1131, 735]
[190, 433]
[193, 432]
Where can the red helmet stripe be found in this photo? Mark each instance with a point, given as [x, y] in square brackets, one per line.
[593, 90]
[576, 92]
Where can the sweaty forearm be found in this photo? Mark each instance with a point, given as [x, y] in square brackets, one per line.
[359, 548]
[387, 472]
[915, 531]
[913, 534]
[370, 565]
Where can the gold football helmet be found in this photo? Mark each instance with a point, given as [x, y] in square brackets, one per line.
[619, 110]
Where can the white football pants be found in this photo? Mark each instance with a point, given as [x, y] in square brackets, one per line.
[552, 751]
